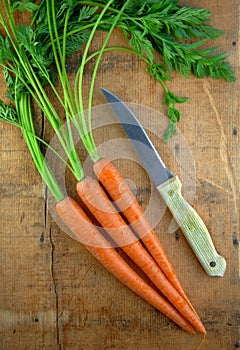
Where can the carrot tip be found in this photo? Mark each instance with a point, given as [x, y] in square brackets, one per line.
[203, 331]
[189, 329]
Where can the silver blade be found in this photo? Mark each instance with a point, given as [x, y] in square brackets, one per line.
[151, 160]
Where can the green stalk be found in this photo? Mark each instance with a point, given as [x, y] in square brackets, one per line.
[80, 82]
[86, 133]
[46, 75]
[56, 48]
[23, 65]
[10, 17]
[64, 40]
[78, 93]
[24, 111]
[42, 99]
[75, 31]
[60, 61]
[115, 48]
[94, 155]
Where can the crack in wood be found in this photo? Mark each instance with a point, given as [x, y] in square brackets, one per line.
[224, 150]
[42, 148]
[45, 206]
[55, 288]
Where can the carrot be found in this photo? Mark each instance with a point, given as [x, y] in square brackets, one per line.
[123, 197]
[121, 194]
[78, 222]
[96, 200]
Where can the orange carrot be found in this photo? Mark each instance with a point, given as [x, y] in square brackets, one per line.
[96, 200]
[123, 197]
[119, 191]
[78, 222]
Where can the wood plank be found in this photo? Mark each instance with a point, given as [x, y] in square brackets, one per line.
[53, 293]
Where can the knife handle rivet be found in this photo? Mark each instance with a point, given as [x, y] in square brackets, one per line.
[191, 228]
[170, 193]
[212, 264]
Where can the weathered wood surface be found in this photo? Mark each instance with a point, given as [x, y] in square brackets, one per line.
[54, 295]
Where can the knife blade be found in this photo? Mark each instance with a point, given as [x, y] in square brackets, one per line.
[169, 187]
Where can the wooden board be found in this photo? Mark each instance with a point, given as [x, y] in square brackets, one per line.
[53, 293]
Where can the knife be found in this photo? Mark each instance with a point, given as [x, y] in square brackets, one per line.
[169, 186]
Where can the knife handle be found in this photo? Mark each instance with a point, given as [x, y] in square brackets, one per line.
[192, 227]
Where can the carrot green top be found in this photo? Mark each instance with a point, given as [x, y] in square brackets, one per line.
[35, 55]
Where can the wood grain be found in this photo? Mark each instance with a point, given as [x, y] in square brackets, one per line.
[53, 293]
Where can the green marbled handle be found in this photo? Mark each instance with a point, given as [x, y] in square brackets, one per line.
[192, 227]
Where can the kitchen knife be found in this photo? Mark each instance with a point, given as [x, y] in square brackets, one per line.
[169, 186]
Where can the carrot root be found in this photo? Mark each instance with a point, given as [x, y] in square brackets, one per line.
[119, 191]
[94, 197]
[78, 222]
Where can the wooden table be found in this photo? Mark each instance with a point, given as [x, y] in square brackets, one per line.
[55, 295]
